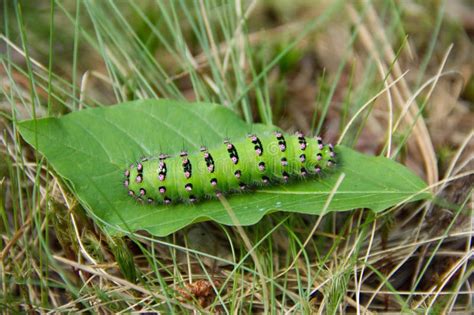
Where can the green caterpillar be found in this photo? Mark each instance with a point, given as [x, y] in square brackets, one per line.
[252, 161]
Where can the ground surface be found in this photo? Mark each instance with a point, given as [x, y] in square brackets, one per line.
[295, 64]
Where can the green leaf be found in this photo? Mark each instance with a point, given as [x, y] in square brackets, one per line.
[91, 148]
